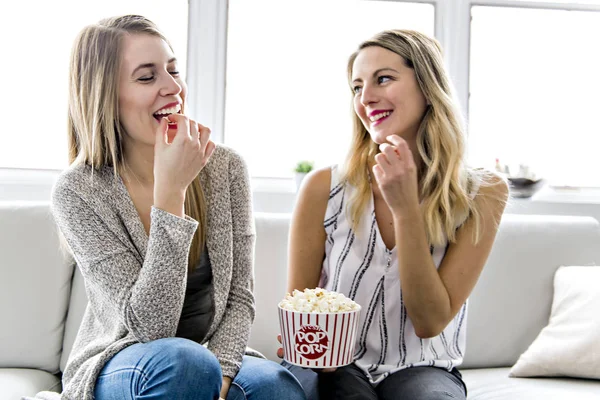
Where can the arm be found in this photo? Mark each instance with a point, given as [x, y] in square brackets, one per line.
[229, 341]
[307, 237]
[434, 296]
[146, 294]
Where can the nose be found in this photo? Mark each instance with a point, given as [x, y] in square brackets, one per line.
[169, 86]
[368, 95]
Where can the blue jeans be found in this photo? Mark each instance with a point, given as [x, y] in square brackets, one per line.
[176, 368]
[350, 383]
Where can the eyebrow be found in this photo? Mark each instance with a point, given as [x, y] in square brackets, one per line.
[377, 72]
[151, 65]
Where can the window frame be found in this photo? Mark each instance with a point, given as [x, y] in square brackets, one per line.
[206, 68]
[452, 27]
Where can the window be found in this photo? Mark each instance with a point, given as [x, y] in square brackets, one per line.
[37, 39]
[287, 97]
[534, 91]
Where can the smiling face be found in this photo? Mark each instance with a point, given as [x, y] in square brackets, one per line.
[149, 86]
[387, 96]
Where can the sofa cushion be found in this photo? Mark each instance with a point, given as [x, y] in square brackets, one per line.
[511, 301]
[270, 267]
[35, 283]
[494, 383]
[17, 382]
[570, 344]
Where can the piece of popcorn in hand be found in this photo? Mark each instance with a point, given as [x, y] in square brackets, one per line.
[318, 300]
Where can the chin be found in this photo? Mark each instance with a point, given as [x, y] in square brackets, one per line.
[379, 137]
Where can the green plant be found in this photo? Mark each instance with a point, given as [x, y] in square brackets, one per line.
[304, 166]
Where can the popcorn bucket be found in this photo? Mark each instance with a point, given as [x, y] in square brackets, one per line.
[318, 340]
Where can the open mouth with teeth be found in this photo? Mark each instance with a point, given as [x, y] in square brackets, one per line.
[163, 112]
[379, 118]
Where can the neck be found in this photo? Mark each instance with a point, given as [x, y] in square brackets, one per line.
[138, 164]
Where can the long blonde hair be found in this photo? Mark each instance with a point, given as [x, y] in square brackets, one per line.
[94, 129]
[444, 179]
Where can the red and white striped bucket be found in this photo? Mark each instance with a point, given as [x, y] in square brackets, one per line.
[318, 340]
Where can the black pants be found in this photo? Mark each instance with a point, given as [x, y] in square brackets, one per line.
[350, 383]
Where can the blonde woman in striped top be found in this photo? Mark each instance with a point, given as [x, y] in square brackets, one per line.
[403, 227]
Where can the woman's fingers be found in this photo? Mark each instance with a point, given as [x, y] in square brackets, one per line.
[161, 132]
[382, 160]
[210, 148]
[403, 151]
[182, 123]
[395, 140]
[203, 136]
[378, 173]
[279, 350]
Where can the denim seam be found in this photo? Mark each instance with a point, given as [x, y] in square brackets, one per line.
[242, 389]
[138, 370]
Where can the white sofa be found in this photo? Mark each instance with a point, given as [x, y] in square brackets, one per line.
[42, 300]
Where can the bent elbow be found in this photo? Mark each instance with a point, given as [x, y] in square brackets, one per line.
[145, 331]
[428, 332]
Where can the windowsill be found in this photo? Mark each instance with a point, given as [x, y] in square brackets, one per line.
[23, 176]
[274, 185]
[565, 195]
[269, 194]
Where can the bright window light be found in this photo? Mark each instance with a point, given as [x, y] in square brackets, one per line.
[287, 96]
[36, 46]
[534, 85]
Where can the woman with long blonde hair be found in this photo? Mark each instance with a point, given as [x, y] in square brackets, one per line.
[159, 220]
[403, 227]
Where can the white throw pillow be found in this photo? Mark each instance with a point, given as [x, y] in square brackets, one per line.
[570, 344]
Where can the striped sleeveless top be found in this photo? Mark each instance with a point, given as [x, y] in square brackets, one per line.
[360, 265]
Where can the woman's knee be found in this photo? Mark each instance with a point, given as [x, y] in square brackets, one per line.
[280, 379]
[261, 378]
[189, 358]
[423, 383]
[170, 367]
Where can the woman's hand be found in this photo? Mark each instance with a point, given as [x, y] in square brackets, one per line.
[225, 387]
[396, 174]
[280, 349]
[178, 163]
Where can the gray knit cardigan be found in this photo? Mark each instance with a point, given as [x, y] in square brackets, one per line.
[136, 282]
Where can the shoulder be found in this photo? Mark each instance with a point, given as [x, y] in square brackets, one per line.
[81, 180]
[489, 185]
[227, 158]
[226, 154]
[316, 185]
[490, 193]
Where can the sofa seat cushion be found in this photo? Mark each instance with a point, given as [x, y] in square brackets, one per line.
[494, 383]
[35, 284]
[17, 382]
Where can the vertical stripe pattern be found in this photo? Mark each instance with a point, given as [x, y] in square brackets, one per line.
[357, 263]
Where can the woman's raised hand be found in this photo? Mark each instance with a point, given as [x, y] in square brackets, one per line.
[396, 174]
[178, 163]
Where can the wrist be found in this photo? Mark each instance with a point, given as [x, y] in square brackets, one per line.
[225, 387]
[407, 217]
[172, 202]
